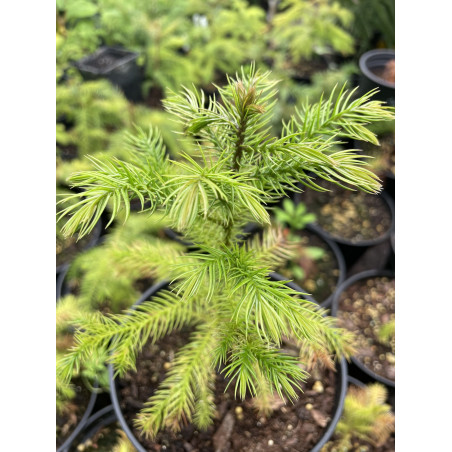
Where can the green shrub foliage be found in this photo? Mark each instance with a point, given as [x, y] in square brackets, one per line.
[238, 315]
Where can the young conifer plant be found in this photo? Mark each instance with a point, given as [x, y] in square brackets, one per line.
[238, 315]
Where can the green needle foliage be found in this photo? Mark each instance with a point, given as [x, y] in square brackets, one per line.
[238, 315]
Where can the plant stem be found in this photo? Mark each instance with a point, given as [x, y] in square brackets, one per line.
[239, 143]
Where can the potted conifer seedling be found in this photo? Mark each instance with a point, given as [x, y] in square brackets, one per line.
[229, 318]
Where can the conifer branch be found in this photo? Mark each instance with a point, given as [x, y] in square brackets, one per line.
[112, 180]
[344, 116]
[123, 335]
[178, 394]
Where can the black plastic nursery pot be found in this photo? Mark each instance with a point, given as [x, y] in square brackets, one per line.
[363, 253]
[101, 419]
[340, 392]
[356, 368]
[173, 235]
[62, 288]
[82, 423]
[372, 65]
[117, 65]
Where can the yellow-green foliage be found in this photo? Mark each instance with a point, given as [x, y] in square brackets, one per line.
[68, 309]
[64, 394]
[107, 273]
[123, 444]
[226, 35]
[386, 335]
[366, 417]
[96, 109]
[305, 28]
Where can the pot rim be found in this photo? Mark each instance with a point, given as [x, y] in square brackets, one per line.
[83, 421]
[335, 307]
[100, 419]
[83, 63]
[94, 240]
[368, 73]
[341, 382]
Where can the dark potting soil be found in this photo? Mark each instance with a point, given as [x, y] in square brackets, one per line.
[67, 421]
[383, 162]
[104, 440]
[346, 214]
[321, 275]
[154, 97]
[386, 72]
[363, 308]
[237, 427]
[359, 445]
[306, 69]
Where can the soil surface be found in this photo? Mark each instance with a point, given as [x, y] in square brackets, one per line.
[386, 72]
[304, 70]
[155, 97]
[237, 427]
[359, 445]
[321, 275]
[363, 308]
[67, 421]
[346, 214]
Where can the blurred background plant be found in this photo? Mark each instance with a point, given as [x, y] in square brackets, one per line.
[366, 423]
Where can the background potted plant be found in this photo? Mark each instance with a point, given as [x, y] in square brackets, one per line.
[75, 399]
[367, 422]
[317, 263]
[238, 315]
[378, 71]
[365, 304]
